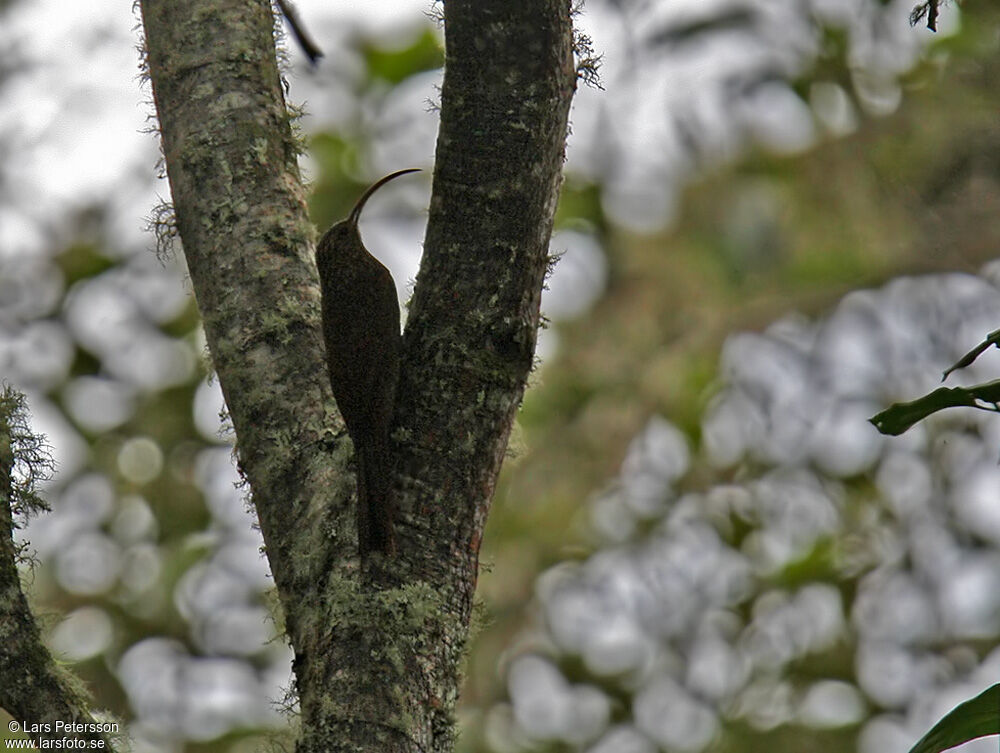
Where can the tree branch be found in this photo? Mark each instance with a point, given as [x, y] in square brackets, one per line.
[471, 330]
[248, 243]
[302, 36]
[41, 696]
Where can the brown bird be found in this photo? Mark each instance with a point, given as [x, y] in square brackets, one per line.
[363, 351]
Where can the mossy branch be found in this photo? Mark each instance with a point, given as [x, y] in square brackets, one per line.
[41, 696]
[373, 670]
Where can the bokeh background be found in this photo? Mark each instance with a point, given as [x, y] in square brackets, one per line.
[778, 218]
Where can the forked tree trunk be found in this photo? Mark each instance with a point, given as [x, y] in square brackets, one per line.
[377, 654]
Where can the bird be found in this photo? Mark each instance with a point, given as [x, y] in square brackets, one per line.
[360, 316]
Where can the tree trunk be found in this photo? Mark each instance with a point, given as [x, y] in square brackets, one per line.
[377, 653]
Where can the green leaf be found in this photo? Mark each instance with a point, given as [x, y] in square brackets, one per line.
[394, 66]
[967, 721]
[899, 417]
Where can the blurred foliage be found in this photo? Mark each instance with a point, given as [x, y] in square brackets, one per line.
[82, 260]
[915, 192]
[394, 66]
[852, 213]
[696, 30]
[337, 159]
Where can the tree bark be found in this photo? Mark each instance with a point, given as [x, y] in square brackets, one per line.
[241, 214]
[377, 653]
[45, 701]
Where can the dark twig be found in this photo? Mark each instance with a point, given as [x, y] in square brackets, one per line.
[928, 10]
[309, 47]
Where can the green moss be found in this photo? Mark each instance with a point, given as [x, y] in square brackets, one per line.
[411, 622]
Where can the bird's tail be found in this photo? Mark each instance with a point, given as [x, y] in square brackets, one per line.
[375, 501]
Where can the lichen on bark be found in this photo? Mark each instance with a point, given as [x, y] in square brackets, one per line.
[35, 690]
[378, 650]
